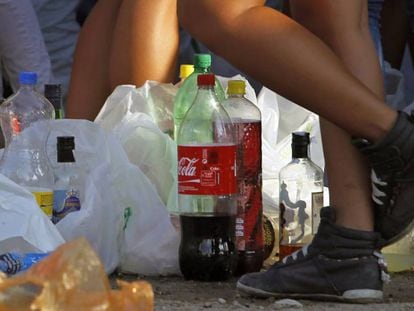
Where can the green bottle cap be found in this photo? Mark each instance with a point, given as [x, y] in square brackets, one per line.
[202, 60]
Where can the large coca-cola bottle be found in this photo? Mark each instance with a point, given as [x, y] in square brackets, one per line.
[207, 189]
[246, 119]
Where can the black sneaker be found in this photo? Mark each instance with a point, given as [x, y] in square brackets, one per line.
[340, 264]
[392, 162]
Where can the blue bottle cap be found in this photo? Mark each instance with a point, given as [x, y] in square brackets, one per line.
[27, 77]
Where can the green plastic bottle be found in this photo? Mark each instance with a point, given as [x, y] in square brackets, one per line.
[188, 90]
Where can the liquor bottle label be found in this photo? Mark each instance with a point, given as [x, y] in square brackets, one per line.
[65, 202]
[207, 170]
[45, 201]
[317, 204]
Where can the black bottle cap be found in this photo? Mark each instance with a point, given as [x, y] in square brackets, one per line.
[300, 138]
[300, 144]
[66, 142]
[65, 147]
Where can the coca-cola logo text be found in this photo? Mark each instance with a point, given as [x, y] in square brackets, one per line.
[186, 166]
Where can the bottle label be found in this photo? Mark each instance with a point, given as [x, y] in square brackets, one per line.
[207, 170]
[65, 202]
[250, 234]
[317, 204]
[45, 201]
[249, 237]
[269, 236]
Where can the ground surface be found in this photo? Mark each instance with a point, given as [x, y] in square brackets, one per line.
[173, 293]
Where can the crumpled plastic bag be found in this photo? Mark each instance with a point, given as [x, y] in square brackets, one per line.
[121, 215]
[137, 116]
[24, 228]
[72, 278]
[131, 114]
[281, 117]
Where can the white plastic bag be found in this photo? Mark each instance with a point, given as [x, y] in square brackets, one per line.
[128, 114]
[281, 117]
[24, 227]
[149, 234]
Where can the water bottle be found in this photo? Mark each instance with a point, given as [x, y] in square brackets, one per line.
[24, 159]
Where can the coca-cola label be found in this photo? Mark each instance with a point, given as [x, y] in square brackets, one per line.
[207, 170]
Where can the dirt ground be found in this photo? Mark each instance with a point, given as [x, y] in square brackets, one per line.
[174, 293]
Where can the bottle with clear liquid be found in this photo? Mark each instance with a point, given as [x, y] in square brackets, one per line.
[207, 188]
[300, 197]
[67, 180]
[246, 119]
[188, 90]
[53, 92]
[24, 159]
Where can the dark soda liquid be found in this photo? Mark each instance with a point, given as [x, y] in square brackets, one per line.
[249, 222]
[286, 250]
[207, 250]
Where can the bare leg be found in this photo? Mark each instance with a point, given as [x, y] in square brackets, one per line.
[145, 44]
[343, 26]
[89, 85]
[122, 42]
[289, 59]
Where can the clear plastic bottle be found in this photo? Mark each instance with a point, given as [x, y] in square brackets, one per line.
[207, 188]
[300, 197]
[66, 191]
[23, 108]
[53, 93]
[246, 119]
[24, 159]
[188, 90]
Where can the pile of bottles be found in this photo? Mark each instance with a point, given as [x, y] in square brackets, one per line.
[220, 182]
[25, 160]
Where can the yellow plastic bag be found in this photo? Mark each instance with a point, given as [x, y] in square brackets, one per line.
[72, 278]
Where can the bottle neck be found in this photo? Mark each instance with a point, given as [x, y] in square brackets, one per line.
[236, 95]
[202, 69]
[300, 151]
[206, 87]
[27, 86]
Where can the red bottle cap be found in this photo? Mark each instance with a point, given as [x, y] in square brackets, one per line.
[206, 79]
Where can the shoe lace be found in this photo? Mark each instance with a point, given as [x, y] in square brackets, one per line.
[385, 277]
[377, 194]
[294, 255]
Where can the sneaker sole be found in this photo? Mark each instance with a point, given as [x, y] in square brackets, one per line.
[351, 296]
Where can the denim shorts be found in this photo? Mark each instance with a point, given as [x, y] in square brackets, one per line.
[374, 15]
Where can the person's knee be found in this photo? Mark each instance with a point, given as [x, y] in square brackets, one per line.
[202, 20]
[211, 22]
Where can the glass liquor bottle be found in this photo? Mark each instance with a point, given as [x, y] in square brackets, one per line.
[300, 197]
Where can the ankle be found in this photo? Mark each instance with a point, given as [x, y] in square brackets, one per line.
[360, 222]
